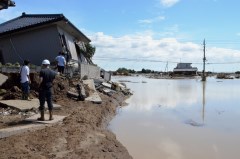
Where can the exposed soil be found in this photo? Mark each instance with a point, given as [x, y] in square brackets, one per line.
[83, 134]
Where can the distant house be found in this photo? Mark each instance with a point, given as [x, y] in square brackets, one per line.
[41, 36]
[185, 69]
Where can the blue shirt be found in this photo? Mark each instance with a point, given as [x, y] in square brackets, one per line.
[61, 60]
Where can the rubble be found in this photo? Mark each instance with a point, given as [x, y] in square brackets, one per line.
[24, 105]
[110, 88]
[2, 92]
[224, 76]
[3, 79]
[74, 88]
[108, 85]
[8, 111]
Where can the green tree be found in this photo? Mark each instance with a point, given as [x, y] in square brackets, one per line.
[147, 71]
[143, 70]
[89, 52]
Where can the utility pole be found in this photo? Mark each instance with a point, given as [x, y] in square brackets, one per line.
[204, 60]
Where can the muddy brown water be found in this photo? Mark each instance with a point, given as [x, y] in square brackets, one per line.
[180, 119]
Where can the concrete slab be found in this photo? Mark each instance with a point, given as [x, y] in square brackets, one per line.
[108, 92]
[83, 92]
[24, 105]
[90, 84]
[3, 79]
[105, 90]
[122, 86]
[33, 119]
[108, 85]
[18, 130]
[95, 98]
[34, 124]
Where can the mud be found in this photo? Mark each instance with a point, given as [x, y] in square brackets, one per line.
[83, 133]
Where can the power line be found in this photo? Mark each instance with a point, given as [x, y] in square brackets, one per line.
[162, 61]
[165, 39]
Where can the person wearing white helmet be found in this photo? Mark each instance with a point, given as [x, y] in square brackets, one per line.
[45, 89]
[45, 62]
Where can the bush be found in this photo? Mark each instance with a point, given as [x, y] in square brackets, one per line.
[16, 64]
[8, 64]
[32, 66]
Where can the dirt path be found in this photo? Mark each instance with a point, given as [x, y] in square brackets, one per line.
[83, 134]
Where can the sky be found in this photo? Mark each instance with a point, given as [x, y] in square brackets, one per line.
[150, 34]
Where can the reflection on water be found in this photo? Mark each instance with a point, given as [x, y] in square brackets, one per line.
[168, 93]
[180, 119]
[203, 99]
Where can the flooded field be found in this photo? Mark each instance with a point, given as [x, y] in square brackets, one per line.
[180, 119]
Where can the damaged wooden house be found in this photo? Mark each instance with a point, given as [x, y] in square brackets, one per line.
[42, 36]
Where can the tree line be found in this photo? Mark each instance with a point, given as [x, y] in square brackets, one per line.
[125, 71]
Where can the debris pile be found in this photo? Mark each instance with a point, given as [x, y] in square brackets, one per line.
[223, 76]
[110, 87]
[9, 111]
[73, 88]
[64, 89]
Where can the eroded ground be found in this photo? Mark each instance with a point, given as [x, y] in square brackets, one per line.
[83, 133]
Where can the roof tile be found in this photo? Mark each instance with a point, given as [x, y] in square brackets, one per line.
[28, 20]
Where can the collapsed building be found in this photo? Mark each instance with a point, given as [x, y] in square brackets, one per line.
[42, 36]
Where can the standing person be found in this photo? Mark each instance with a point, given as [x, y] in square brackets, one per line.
[25, 80]
[45, 90]
[61, 62]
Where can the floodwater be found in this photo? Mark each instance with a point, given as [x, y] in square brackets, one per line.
[180, 119]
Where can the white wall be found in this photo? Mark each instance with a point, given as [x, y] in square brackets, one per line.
[90, 71]
[70, 43]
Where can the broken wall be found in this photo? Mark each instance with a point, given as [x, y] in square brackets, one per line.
[70, 43]
[90, 71]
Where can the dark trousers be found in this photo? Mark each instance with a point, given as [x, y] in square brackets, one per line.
[25, 87]
[60, 69]
[45, 95]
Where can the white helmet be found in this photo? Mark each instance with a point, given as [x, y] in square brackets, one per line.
[46, 62]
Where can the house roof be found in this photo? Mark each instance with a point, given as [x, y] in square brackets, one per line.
[26, 21]
[194, 69]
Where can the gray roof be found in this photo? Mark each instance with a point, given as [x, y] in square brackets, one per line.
[26, 21]
[194, 69]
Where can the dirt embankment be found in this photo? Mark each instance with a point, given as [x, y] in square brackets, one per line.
[83, 134]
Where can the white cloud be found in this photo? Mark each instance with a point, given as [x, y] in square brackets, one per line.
[144, 48]
[152, 20]
[168, 3]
